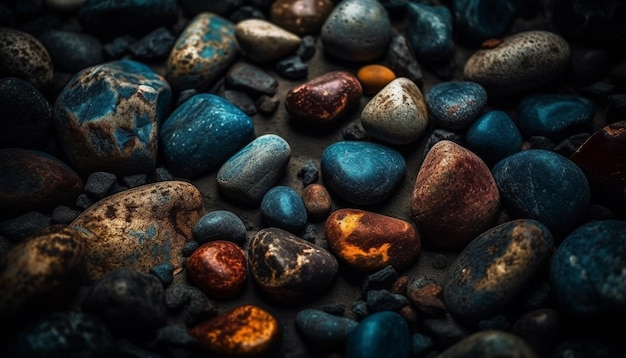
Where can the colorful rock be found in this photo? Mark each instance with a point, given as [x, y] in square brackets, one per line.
[493, 136]
[302, 17]
[316, 200]
[429, 31]
[24, 57]
[263, 41]
[282, 207]
[380, 334]
[374, 77]
[555, 116]
[455, 105]
[219, 268]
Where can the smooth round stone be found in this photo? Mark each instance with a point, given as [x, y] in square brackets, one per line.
[368, 241]
[455, 105]
[31, 179]
[107, 117]
[244, 331]
[489, 343]
[316, 199]
[141, 227]
[554, 116]
[373, 78]
[519, 62]
[251, 79]
[321, 329]
[302, 17]
[455, 197]
[202, 52]
[324, 99]
[480, 20]
[397, 114]
[220, 225]
[494, 136]
[357, 30]
[24, 57]
[219, 268]
[288, 268]
[39, 272]
[202, 133]
[362, 173]
[380, 334]
[587, 270]
[72, 51]
[545, 186]
[429, 32]
[283, 207]
[495, 268]
[263, 41]
[254, 169]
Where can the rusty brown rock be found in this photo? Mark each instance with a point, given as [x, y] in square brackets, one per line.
[316, 200]
[427, 299]
[301, 17]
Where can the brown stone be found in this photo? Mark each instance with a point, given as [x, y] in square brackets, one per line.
[316, 200]
[301, 17]
[427, 299]
[218, 268]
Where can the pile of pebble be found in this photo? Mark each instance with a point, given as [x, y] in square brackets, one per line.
[110, 109]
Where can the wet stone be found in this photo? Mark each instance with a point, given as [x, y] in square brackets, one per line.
[324, 330]
[489, 343]
[493, 136]
[282, 207]
[481, 20]
[455, 105]
[99, 184]
[379, 334]
[154, 46]
[220, 225]
[301, 17]
[292, 68]
[316, 200]
[24, 57]
[263, 41]
[219, 268]
[429, 32]
[401, 60]
[72, 51]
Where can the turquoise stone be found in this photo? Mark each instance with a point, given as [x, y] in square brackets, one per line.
[283, 207]
[429, 32]
[493, 136]
[554, 116]
[383, 334]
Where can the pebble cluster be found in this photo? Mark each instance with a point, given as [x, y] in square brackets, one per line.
[312, 178]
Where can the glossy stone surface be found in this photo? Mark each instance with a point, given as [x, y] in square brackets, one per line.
[220, 225]
[380, 334]
[493, 136]
[317, 201]
[455, 197]
[374, 77]
[480, 20]
[322, 329]
[203, 52]
[282, 207]
[455, 105]
[397, 114]
[289, 269]
[140, 227]
[202, 133]
[429, 31]
[301, 17]
[362, 173]
[219, 268]
[587, 270]
[554, 116]
[107, 117]
[254, 169]
[489, 343]
[263, 41]
[24, 57]
[495, 268]
[324, 99]
[368, 241]
[244, 331]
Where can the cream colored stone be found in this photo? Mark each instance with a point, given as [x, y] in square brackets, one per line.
[263, 41]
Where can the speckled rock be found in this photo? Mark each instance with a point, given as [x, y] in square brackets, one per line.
[493, 269]
[362, 173]
[493, 136]
[254, 169]
[519, 62]
[555, 116]
[220, 225]
[455, 197]
[219, 268]
[357, 30]
[23, 56]
[455, 105]
[380, 334]
[140, 227]
[480, 20]
[397, 114]
[282, 207]
[117, 131]
[202, 133]
[203, 52]
[72, 51]
[368, 241]
[317, 201]
[289, 269]
[321, 329]
[263, 41]
[489, 344]
[301, 17]
[429, 32]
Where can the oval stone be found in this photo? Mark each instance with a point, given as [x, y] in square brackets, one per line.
[141, 227]
[254, 169]
[368, 241]
[362, 173]
[455, 105]
[244, 331]
[220, 225]
[324, 99]
[520, 62]
[555, 116]
[429, 32]
[316, 200]
[202, 133]
[282, 207]
[24, 57]
[455, 196]
[301, 17]
[397, 114]
[489, 343]
[219, 268]
[321, 329]
[373, 78]
[494, 136]
[380, 334]
[288, 268]
[264, 41]
[495, 268]
[107, 117]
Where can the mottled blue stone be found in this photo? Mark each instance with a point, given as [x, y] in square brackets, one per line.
[429, 32]
[362, 173]
[282, 207]
[324, 330]
[202, 133]
[220, 225]
[382, 334]
[455, 105]
[545, 186]
[587, 270]
[493, 136]
[554, 116]
[480, 20]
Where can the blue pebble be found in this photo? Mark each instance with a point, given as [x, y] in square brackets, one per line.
[455, 105]
[493, 136]
[554, 116]
[323, 329]
[362, 173]
[382, 334]
[220, 225]
[545, 186]
[429, 32]
[202, 134]
[282, 207]
[480, 20]
[587, 270]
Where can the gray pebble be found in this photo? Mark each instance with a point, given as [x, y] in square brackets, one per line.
[99, 183]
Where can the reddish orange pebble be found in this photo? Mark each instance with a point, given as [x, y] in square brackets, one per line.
[316, 200]
[219, 268]
[374, 77]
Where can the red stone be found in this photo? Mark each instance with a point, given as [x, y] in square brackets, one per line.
[218, 268]
[316, 200]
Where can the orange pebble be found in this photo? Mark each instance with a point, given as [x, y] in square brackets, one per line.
[374, 77]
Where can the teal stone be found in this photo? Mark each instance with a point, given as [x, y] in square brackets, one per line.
[383, 334]
[493, 136]
[362, 173]
[325, 330]
[283, 207]
[429, 32]
[202, 133]
[455, 105]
